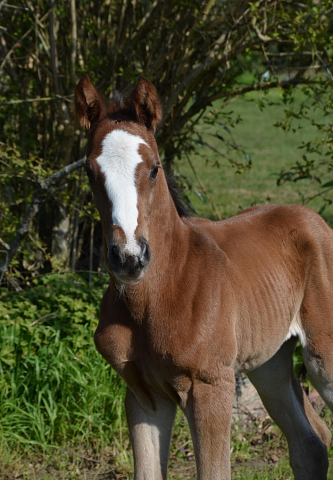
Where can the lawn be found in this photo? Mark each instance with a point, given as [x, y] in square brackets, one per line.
[271, 150]
[61, 412]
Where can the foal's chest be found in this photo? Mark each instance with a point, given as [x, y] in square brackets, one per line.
[153, 354]
[142, 363]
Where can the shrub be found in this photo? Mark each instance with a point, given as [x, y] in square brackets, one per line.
[54, 386]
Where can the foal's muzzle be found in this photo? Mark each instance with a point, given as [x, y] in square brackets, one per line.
[127, 267]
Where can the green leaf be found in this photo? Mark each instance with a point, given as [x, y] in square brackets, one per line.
[327, 184]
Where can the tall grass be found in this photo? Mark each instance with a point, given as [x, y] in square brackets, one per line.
[54, 386]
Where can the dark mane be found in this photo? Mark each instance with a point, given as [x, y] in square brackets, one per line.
[117, 109]
[175, 195]
[117, 100]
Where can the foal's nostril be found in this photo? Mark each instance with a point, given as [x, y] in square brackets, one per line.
[115, 256]
[145, 253]
[128, 264]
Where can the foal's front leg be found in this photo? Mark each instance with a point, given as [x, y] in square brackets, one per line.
[208, 410]
[150, 431]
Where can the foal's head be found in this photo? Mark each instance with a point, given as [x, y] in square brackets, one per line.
[123, 168]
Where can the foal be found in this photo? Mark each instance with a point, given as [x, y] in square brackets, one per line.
[191, 302]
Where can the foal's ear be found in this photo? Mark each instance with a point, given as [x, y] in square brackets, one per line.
[146, 104]
[89, 106]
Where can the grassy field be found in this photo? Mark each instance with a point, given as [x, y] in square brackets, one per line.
[61, 406]
[271, 150]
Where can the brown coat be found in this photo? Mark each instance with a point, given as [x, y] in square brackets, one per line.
[191, 302]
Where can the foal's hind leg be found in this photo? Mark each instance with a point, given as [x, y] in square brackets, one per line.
[317, 322]
[319, 367]
[318, 359]
[307, 435]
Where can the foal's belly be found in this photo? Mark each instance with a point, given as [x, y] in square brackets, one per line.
[265, 338]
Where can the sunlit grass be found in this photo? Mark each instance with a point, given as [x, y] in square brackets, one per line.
[55, 387]
[270, 148]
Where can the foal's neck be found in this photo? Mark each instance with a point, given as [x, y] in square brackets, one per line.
[168, 240]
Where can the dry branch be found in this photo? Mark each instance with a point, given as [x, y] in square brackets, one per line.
[36, 202]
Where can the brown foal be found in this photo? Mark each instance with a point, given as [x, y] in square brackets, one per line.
[191, 302]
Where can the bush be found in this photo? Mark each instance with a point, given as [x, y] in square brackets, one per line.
[54, 386]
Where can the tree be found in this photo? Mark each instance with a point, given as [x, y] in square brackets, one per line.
[195, 52]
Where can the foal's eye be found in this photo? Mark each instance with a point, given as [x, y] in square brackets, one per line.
[153, 173]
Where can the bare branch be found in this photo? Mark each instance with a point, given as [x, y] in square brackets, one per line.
[36, 202]
[32, 100]
[3, 3]
[74, 41]
[261, 86]
[19, 40]
[233, 93]
[204, 190]
[54, 56]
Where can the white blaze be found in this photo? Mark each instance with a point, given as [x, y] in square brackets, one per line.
[118, 161]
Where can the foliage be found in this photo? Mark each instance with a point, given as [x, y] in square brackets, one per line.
[272, 150]
[54, 385]
[316, 163]
[194, 52]
[313, 39]
[27, 182]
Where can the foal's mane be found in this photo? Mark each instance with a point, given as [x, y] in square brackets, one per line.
[175, 195]
[119, 111]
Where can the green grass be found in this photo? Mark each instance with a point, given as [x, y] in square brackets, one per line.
[270, 148]
[55, 389]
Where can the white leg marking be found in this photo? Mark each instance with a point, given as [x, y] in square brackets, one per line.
[118, 161]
